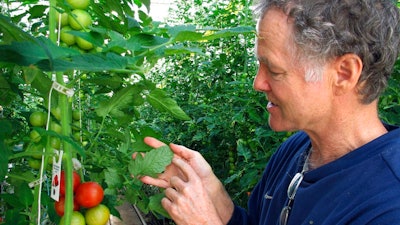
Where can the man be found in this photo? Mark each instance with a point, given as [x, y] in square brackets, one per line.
[322, 65]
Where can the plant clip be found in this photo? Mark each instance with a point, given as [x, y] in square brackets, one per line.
[64, 90]
[37, 182]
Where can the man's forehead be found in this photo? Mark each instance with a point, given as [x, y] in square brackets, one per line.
[273, 23]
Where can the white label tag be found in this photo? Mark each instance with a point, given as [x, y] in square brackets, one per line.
[55, 179]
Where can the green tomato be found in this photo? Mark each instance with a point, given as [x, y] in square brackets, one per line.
[35, 136]
[77, 219]
[83, 44]
[56, 112]
[36, 150]
[34, 163]
[78, 4]
[54, 126]
[76, 115]
[63, 20]
[66, 37]
[55, 142]
[79, 19]
[38, 119]
[77, 136]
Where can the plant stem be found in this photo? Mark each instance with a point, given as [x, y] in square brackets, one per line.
[66, 119]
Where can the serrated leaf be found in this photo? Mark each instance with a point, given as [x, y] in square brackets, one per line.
[153, 163]
[118, 101]
[156, 207]
[112, 178]
[160, 101]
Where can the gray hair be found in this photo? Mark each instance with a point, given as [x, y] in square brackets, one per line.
[325, 29]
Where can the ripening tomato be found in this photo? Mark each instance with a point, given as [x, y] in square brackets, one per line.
[98, 215]
[75, 183]
[77, 219]
[59, 206]
[89, 194]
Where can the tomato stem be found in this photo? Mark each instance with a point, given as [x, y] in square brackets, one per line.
[66, 119]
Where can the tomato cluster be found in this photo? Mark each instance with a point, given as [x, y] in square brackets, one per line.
[38, 119]
[78, 19]
[87, 199]
[35, 147]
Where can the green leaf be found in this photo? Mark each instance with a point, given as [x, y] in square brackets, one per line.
[6, 129]
[37, 11]
[14, 32]
[156, 207]
[180, 49]
[7, 94]
[118, 101]
[145, 41]
[87, 62]
[25, 194]
[160, 101]
[189, 33]
[153, 163]
[112, 178]
[230, 32]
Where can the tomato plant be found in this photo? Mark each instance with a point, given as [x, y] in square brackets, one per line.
[98, 215]
[109, 87]
[89, 194]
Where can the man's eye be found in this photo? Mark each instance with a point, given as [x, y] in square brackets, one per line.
[274, 73]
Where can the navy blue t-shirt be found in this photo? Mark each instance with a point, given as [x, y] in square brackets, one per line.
[360, 188]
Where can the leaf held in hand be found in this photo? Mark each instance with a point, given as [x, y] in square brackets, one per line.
[153, 163]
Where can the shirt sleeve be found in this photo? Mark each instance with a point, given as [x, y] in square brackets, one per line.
[239, 217]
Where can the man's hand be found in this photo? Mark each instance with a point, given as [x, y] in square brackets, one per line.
[198, 167]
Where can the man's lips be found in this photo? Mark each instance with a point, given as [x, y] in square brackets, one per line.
[271, 105]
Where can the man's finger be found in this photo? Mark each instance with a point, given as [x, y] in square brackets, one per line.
[155, 181]
[182, 151]
[153, 142]
[185, 168]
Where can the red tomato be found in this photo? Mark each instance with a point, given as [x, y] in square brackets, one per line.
[59, 206]
[76, 181]
[89, 194]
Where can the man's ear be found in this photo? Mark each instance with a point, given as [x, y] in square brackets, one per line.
[348, 69]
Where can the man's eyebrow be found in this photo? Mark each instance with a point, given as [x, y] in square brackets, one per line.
[263, 60]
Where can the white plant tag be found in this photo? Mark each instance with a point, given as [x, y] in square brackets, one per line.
[56, 173]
